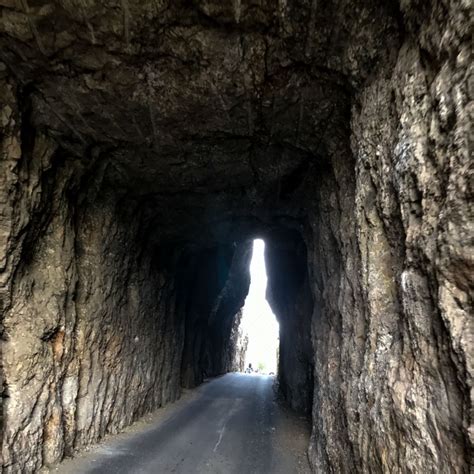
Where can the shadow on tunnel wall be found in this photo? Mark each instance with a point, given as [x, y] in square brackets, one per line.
[290, 298]
[214, 285]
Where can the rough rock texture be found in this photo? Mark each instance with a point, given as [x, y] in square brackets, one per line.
[218, 281]
[94, 315]
[289, 295]
[238, 343]
[85, 314]
[144, 144]
[392, 330]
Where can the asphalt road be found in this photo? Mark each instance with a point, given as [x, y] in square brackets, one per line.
[231, 424]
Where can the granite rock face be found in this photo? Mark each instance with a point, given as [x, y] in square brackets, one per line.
[238, 345]
[86, 311]
[289, 295]
[393, 326]
[217, 282]
[145, 144]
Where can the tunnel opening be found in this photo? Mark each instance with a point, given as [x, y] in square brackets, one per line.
[259, 329]
[217, 287]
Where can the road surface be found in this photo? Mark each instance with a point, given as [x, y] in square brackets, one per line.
[231, 424]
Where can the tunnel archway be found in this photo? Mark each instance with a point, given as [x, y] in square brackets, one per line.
[144, 145]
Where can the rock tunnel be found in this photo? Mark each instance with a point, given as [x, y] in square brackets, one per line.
[145, 144]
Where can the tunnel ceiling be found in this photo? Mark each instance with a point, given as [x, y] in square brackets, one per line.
[204, 111]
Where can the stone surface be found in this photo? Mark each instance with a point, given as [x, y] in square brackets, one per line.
[290, 297]
[238, 342]
[216, 285]
[144, 144]
[389, 351]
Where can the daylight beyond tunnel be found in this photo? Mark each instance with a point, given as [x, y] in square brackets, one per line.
[260, 332]
[145, 145]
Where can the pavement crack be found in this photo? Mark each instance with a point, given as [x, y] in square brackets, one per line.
[221, 434]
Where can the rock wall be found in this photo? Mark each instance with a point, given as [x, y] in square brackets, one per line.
[223, 349]
[218, 283]
[93, 316]
[290, 298]
[93, 310]
[238, 342]
[392, 329]
[86, 308]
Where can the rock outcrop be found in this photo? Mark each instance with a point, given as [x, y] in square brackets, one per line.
[145, 144]
[239, 341]
[290, 297]
[217, 283]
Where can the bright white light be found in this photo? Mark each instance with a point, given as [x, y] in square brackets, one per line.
[258, 320]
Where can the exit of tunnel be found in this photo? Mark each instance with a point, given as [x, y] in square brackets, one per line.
[244, 321]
